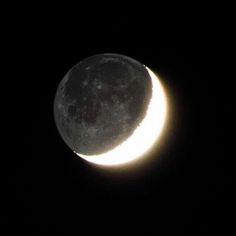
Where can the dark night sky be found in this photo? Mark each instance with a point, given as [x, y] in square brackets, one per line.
[185, 186]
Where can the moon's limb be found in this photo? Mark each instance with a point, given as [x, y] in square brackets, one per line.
[145, 134]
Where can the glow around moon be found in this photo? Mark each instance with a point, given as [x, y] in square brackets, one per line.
[145, 135]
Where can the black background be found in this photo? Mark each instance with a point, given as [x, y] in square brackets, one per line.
[184, 185]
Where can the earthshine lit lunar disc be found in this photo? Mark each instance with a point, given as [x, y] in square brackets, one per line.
[145, 135]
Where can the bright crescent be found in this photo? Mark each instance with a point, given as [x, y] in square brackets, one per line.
[145, 135]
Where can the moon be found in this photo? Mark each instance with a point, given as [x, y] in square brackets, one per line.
[110, 109]
[143, 137]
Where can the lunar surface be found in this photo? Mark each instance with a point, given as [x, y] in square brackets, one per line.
[102, 103]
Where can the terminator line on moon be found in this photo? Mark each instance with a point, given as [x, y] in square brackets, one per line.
[110, 109]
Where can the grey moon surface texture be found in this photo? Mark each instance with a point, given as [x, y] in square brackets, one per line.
[101, 101]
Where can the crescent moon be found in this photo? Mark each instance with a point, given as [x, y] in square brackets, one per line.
[144, 136]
